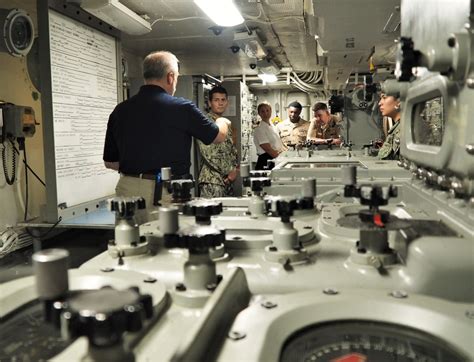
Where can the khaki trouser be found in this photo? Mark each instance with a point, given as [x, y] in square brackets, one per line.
[133, 186]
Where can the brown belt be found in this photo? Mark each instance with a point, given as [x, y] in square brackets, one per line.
[146, 176]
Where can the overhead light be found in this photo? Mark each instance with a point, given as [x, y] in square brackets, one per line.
[268, 67]
[250, 44]
[221, 12]
[117, 15]
[268, 78]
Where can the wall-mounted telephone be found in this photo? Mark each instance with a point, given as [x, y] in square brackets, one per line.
[16, 123]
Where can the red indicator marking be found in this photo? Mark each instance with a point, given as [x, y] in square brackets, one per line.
[378, 220]
[351, 357]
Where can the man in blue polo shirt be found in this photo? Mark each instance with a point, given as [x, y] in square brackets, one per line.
[154, 129]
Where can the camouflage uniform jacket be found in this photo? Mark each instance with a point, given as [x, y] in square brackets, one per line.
[390, 149]
[217, 160]
[293, 133]
[326, 130]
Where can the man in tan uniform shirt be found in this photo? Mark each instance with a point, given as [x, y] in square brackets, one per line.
[324, 128]
[294, 129]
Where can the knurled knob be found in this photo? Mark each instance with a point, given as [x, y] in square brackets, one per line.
[202, 208]
[181, 189]
[407, 59]
[284, 206]
[372, 195]
[126, 206]
[104, 315]
[259, 173]
[257, 183]
[195, 236]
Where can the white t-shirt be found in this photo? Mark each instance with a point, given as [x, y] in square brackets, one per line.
[266, 133]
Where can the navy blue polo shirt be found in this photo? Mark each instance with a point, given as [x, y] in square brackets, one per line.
[152, 130]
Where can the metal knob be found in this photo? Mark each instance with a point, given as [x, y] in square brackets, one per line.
[284, 206]
[257, 183]
[104, 315]
[181, 190]
[125, 207]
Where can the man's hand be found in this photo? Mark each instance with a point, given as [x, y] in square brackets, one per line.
[225, 120]
[232, 175]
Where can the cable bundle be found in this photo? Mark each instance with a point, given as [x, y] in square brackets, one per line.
[13, 238]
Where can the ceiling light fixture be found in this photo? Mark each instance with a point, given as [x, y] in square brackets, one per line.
[221, 12]
[267, 78]
[250, 44]
[268, 67]
[117, 15]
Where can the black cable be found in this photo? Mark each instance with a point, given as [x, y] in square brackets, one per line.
[29, 168]
[26, 181]
[9, 180]
[41, 236]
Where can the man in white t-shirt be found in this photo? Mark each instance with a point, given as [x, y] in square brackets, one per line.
[266, 137]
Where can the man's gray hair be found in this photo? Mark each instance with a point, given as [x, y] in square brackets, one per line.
[158, 64]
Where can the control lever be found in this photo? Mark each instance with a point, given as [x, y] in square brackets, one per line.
[200, 278]
[286, 237]
[127, 237]
[257, 181]
[372, 248]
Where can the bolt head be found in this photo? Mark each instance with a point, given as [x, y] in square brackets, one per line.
[470, 148]
[330, 291]
[180, 287]
[268, 304]
[399, 294]
[235, 335]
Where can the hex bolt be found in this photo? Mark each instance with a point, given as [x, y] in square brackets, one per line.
[400, 294]
[330, 291]
[452, 42]
[235, 335]
[211, 286]
[470, 314]
[107, 269]
[470, 149]
[268, 304]
[180, 287]
[375, 262]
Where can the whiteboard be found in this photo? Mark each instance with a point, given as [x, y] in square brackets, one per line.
[84, 93]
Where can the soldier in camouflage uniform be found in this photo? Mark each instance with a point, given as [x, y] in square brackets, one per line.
[294, 129]
[219, 162]
[390, 107]
[324, 128]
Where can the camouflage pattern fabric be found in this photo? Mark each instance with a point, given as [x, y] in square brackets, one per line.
[326, 130]
[293, 133]
[390, 149]
[212, 190]
[217, 161]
